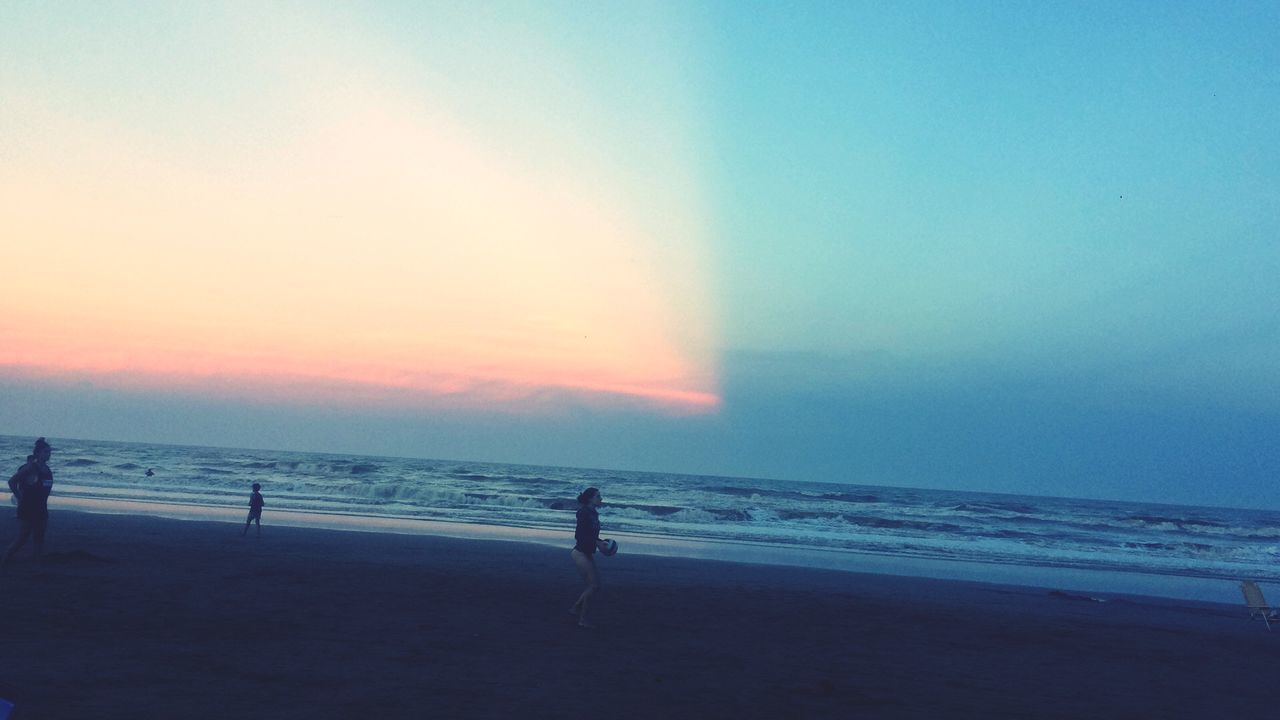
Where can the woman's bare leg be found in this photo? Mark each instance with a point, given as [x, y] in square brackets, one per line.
[24, 532]
[587, 568]
[38, 529]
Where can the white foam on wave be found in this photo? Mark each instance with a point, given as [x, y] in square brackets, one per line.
[1000, 530]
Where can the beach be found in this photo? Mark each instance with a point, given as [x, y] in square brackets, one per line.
[143, 617]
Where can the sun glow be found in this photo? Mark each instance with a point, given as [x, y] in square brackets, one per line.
[357, 243]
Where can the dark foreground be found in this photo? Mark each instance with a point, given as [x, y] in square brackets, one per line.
[138, 618]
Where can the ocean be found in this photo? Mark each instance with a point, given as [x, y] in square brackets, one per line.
[968, 535]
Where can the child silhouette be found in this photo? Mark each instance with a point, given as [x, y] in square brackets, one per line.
[255, 510]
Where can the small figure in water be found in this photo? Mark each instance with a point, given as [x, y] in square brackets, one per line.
[255, 510]
[586, 541]
[150, 472]
[31, 486]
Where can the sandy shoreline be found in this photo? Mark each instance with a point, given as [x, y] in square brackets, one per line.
[139, 617]
[1100, 582]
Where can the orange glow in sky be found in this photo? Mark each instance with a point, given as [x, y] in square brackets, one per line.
[358, 238]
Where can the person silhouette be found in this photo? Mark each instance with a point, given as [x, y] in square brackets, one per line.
[255, 510]
[587, 540]
[31, 486]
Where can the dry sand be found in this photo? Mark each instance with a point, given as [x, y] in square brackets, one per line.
[136, 617]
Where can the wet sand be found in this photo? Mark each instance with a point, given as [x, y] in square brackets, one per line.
[137, 617]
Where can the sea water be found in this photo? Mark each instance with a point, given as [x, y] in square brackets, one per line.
[1188, 551]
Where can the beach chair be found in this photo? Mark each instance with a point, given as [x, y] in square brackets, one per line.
[1257, 604]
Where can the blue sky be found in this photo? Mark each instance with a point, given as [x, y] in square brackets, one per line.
[1014, 247]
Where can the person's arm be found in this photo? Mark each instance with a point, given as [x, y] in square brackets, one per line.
[15, 482]
[580, 528]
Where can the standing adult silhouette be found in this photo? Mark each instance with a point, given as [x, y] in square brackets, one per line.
[31, 485]
[587, 540]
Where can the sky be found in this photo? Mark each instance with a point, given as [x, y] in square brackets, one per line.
[1010, 247]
